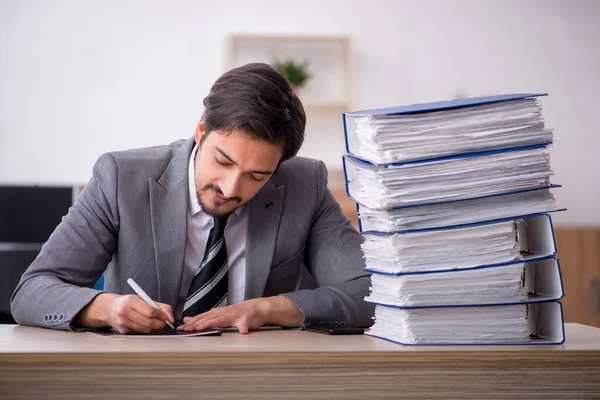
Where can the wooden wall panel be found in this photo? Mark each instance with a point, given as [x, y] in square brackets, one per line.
[348, 206]
[569, 245]
[591, 274]
[579, 256]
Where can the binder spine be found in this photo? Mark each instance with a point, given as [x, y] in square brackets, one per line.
[344, 122]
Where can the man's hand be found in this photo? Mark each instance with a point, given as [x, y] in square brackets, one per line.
[130, 313]
[126, 314]
[248, 315]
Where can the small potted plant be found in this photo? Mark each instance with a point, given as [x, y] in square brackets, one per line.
[296, 73]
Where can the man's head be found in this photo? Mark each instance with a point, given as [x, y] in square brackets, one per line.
[252, 122]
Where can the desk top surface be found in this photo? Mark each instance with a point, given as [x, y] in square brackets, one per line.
[16, 339]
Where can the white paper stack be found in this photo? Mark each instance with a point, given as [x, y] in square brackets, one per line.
[457, 213]
[473, 286]
[442, 249]
[508, 283]
[390, 138]
[459, 325]
[452, 203]
[459, 178]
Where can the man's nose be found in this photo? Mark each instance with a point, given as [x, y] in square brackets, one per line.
[230, 185]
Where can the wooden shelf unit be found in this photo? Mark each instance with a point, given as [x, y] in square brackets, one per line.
[328, 93]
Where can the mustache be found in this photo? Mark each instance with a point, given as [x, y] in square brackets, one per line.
[219, 191]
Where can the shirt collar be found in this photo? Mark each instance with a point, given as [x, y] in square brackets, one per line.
[194, 205]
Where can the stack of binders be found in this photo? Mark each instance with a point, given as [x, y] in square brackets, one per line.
[454, 201]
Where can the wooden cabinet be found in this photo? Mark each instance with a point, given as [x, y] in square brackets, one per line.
[579, 257]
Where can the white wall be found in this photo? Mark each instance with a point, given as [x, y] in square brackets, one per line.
[78, 78]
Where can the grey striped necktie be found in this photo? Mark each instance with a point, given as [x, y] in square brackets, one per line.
[209, 285]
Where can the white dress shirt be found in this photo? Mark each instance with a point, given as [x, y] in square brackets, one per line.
[199, 225]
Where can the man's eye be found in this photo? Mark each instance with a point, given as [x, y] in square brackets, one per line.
[222, 163]
[255, 178]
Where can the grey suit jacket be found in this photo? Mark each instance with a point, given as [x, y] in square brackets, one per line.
[132, 217]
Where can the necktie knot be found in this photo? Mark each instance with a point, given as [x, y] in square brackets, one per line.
[220, 222]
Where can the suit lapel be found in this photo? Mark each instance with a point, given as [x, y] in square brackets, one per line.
[168, 212]
[263, 225]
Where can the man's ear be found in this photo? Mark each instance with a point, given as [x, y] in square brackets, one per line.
[200, 129]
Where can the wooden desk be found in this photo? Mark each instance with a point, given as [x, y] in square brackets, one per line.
[40, 363]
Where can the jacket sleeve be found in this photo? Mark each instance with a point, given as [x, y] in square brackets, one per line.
[58, 284]
[334, 258]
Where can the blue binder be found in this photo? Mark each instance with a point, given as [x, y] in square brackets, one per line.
[352, 164]
[363, 226]
[351, 141]
[444, 105]
[456, 226]
[537, 239]
[545, 325]
[542, 275]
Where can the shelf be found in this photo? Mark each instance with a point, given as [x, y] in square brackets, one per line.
[282, 39]
[329, 60]
[328, 93]
[329, 105]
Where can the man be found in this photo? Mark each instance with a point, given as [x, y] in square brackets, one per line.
[215, 229]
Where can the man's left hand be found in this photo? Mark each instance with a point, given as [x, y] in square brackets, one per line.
[247, 316]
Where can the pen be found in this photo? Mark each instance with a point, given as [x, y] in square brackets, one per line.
[140, 292]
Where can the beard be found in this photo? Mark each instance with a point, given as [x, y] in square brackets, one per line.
[217, 210]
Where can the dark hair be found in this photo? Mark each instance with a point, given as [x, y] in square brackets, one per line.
[257, 99]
